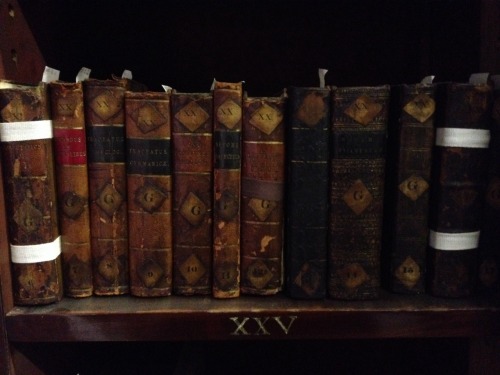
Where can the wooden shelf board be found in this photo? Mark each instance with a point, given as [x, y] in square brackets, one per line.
[175, 318]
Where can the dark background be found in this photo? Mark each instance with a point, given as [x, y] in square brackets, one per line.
[270, 44]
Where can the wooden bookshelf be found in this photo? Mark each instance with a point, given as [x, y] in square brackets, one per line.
[276, 319]
[203, 318]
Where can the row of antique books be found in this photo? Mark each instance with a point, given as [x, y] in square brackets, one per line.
[319, 192]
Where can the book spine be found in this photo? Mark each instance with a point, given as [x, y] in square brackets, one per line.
[459, 178]
[104, 123]
[68, 122]
[489, 254]
[192, 138]
[307, 160]
[227, 119]
[262, 194]
[149, 192]
[359, 129]
[29, 182]
[409, 158]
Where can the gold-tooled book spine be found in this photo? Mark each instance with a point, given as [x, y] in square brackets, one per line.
[307, 159]
[149, 189]
[192, 141]
[227, 121]
[104, 123]
[409, 160]
[262, 194]
[68, 121]
[29, 183]
[359, 124]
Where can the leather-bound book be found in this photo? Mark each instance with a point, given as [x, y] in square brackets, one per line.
[489, 251]
[192, 142]
[359, 130]
[262, 194]
[227, 120]
[149, 192]
[307, 160]
[68, 122]
[104, 122]
[30, 188]
[409, 160]
[458, 184]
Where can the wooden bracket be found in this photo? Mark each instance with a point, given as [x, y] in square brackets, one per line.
[20, 57]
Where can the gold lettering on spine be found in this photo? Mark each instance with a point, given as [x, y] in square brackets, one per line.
[357, 197]
[266, 118]
[363, 110]
[229, 113]
[413, 187]
[421, 108]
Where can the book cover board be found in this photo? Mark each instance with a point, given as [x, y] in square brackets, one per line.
[359, 130]
[192, 140]
[149, 192]
[262, 195]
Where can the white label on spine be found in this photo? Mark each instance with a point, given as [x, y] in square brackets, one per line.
[454, 241]
[468, 138]
[25, 130]
[35, 253]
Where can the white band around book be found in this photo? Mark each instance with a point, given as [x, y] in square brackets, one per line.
[35, 253]
[453, 241]
[25, 130]
[457, 137]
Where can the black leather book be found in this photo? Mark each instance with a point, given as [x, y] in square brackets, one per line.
[307, 158]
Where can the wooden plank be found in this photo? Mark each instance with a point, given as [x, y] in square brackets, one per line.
[203, 318]
[21, 58]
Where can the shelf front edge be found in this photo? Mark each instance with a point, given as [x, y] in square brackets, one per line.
[279, 318]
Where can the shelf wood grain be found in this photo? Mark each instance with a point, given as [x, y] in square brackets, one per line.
[175, 318]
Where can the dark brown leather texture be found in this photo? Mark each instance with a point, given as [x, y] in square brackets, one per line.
[458, 190]
[149, 192]
[307, 174]
[227, 119]
[104, 122]
[192, 139]
[359, 128]
[262, 195]
[68, 121]
[29, 183]
[409, 159]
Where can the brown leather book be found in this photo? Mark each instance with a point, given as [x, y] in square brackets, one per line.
[149, 192]
[409, 160]
[192, 141]
[227, 119]
[262, 194]
[307, 160]
[30, 187]
[104, 121]
[458, 184]
[489, 252]
[70, 144]
[359, 129]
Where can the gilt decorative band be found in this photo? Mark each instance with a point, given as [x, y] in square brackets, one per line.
[25, 130]
[457, 137]
[454, 241]
[36, 253]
